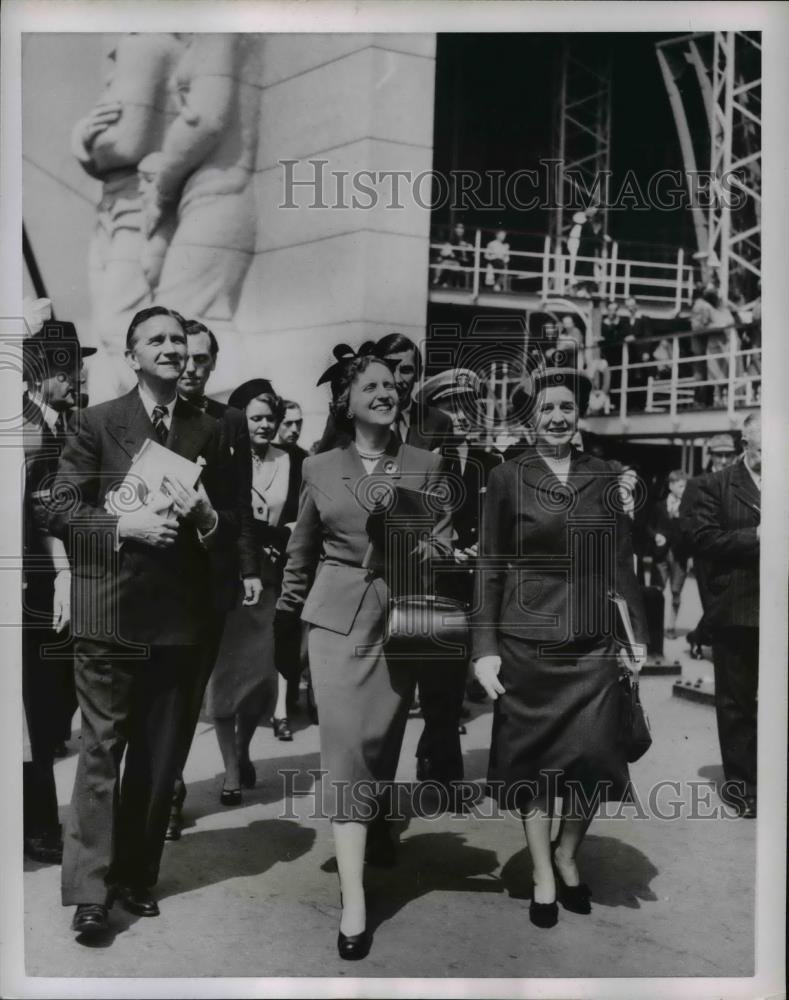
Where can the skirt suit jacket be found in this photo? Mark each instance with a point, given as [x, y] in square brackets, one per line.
[549, 554]
[363, 699]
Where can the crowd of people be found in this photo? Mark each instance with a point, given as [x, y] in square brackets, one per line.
[205, 581]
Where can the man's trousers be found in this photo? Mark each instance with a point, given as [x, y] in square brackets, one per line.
[116, 824]
[735, 652]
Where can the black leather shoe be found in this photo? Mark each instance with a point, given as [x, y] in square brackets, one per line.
[175, 825]
[247, 773]
[354, 946]
[282, 729]
[140, 902]
[543, 914]
[575, 898]
[46, 850]
[230, 797]
[91, 918]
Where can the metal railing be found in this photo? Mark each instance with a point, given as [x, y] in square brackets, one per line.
[545, 270]
[714, 370]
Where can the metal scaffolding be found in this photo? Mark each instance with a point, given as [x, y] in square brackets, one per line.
[727, 82]
[582, 129]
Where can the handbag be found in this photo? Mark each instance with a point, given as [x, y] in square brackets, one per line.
[634, 732]
[427, 626]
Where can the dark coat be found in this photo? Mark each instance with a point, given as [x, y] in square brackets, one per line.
[429, 428]
[725, 516]
[137, 593]
[540, 579]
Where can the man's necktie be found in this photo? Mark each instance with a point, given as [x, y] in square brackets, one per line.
[157, 418]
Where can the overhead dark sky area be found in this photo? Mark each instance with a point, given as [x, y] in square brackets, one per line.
[495, 99]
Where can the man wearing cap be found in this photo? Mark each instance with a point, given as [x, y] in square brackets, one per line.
[141, 601]
[726, 529]
[457, 392]
[722, 453]
[52, 360]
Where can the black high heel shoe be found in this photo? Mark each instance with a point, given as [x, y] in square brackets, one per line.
[352, 947]
[543, 914]
[282, 729]
[230, 797]
[575, 898]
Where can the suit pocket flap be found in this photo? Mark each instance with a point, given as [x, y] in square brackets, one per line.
[335, 598]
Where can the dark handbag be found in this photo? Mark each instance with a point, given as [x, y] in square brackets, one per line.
[634, 732]
[427, 627]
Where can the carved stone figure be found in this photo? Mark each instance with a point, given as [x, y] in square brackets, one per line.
[127, 122]
[202, 180]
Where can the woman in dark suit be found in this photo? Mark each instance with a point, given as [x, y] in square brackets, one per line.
[245, 682]
[363, 696]
[555, 542]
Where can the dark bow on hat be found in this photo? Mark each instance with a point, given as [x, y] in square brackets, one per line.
[343, 354]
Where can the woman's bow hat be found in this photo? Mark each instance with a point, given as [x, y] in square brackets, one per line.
[343, 354]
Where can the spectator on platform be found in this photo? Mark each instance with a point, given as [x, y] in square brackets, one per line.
[497, 257]
[726, 527]
[669, 556]
[245, 683]
[454, 260]
[708, 313]
[568, 351]
[585, 245]
[557, 716]
[635, 328]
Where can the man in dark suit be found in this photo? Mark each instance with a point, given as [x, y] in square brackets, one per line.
[229, 564]
[442, 686]
[52, 360]
[726, 533]
[141, 603]
[418, 423]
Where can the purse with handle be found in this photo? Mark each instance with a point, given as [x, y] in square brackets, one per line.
[635, 735]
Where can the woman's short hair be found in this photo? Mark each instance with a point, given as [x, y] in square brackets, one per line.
[274, 403]
[341, 383]
[262, 390]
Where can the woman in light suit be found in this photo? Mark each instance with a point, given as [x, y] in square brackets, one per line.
[556, 540]
[363, 696]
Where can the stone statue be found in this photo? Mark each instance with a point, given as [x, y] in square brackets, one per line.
[128, 122]
[200, 205]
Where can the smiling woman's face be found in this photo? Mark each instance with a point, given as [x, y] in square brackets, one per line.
[373, 396]
[555, 417]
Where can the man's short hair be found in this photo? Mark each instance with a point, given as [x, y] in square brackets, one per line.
[397, 343]
[677, 476]
[291, 404]
[194, 326]
[148, 313]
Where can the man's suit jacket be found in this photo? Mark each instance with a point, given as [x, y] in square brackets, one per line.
[331, 533]
[429, 428]
[230, 563]
[133, 592]
[42, 451]
[549, 554]
[725, 516]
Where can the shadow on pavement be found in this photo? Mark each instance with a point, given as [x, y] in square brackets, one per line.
[211, 856]
[617, 873]
[429, 862]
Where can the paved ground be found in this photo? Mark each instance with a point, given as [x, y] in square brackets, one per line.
[251, 891]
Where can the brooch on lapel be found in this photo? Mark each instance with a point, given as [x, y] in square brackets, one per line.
[390, 467]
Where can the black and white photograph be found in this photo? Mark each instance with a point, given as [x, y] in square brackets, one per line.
[395, 591]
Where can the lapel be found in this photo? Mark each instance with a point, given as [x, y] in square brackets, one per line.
[388, 468]
[536, 472]
[129, 424]
[187, 430]
[745, 489]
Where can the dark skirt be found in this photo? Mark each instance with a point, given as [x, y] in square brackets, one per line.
[244, 679]
[556, 727]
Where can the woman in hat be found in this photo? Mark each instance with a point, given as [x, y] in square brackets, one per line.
[244, 682]
[363, 692]
[555, 540]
